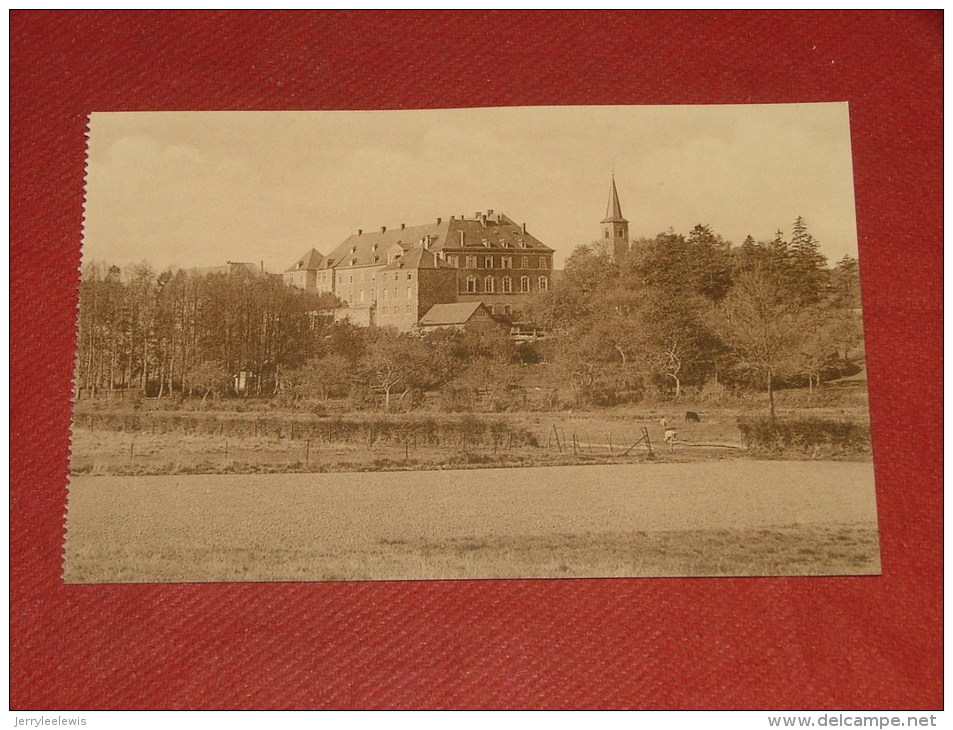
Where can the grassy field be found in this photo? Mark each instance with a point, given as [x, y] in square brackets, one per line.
[735, 517]
[222, 442]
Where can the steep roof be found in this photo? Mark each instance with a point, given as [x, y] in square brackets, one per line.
[457, 313]
[613, 209]
[482, 231]
[313, 259]
[418, 258]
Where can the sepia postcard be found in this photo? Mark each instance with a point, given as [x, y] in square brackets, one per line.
[552, 342]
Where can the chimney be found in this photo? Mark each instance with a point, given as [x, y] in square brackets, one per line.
[462, 240]
[439, 221]
[477, 215]
[402, 226]
[489, 212]
[499, 217]
[452, 218]
[360, 231]
[524, 229]
[383, 228]
[261, 266]
[483, 218]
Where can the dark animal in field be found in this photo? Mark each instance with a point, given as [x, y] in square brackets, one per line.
[692, 416]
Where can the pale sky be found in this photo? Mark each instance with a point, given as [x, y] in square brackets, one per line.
[200, 188]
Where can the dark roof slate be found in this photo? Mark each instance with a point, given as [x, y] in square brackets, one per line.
[456, 313]
[495, 232]
[313, 259]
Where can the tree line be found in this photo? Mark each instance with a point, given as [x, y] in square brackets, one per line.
[176, 333]
[674, 313]
[677, 311]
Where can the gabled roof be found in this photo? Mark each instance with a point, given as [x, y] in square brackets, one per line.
[313, 259]
[482, 231]
[418, 258]
[445, 314]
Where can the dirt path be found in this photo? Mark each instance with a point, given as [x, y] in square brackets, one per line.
[485, 523]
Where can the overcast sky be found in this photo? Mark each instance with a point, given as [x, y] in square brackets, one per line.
[200, 188]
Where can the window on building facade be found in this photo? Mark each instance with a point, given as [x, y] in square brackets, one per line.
[506, 262]
[360, 295]
[471, 262]
[384, 295]
[407, 308]
[487, 262]
[453, 260]
[489, 284]
[507, 284]
[543, 283]
[472, 284]
[384, 310]
[410, 292]
[542, 262]
[524, 262]
[507, 309]
[524, 283]
[409, 276]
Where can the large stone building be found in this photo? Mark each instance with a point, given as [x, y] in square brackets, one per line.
[392, 277]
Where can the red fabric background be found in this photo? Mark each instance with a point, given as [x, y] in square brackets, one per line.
[798, 643]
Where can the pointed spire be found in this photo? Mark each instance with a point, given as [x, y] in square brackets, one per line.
[614, 210]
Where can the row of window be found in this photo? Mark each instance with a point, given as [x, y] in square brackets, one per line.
[506, 284]
[473, 286]
[489, 262]
[396, 310]
[470, 262]
[385, 293]
[372, 274]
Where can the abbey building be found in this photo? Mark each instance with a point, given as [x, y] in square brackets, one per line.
[393, 277]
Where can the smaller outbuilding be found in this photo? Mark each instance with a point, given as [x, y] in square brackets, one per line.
[459, 315]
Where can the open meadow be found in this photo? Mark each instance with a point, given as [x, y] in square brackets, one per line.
[126, 442]
[734, 517]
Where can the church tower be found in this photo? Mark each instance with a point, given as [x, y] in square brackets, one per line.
[615, 228]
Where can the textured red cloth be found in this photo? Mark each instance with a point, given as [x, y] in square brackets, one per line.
[758, 643]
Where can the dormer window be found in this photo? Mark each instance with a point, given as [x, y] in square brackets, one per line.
[353, 249]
